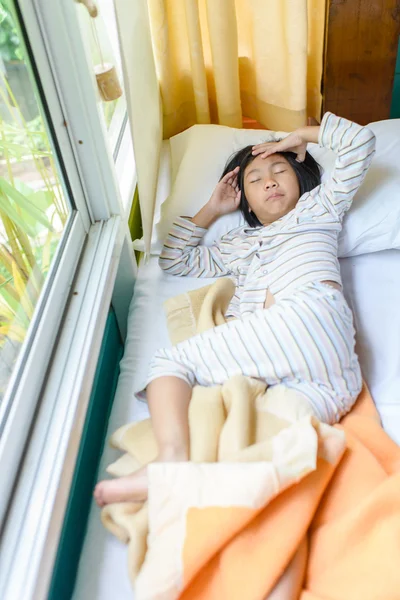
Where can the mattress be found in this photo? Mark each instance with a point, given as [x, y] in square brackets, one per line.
[372, 288]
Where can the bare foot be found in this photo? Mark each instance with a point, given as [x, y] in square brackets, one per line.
[132, 488]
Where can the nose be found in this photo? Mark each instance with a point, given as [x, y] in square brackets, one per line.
[270, 183]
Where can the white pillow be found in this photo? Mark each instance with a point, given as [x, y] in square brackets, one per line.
[215, 143]
[199, 154]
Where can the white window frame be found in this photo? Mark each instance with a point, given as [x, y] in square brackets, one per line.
[116, 128]
[126, 170]
[99, 239]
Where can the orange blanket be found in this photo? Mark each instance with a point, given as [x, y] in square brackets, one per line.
[353, 524]
[355, 531]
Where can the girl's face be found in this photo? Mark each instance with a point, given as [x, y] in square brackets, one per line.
[271, 187]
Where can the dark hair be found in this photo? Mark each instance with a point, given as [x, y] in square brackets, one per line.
[308, 174]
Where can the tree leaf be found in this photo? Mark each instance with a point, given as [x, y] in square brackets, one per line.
[5, 284]
[21, 290]
[7, 302]
[43, 199]
[8, 209]
[6, 258]
[30, 194]
[14, 149]
[24, 203]
[46, 254]
[13, 332]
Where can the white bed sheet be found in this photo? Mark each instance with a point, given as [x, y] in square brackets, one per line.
[372, 288]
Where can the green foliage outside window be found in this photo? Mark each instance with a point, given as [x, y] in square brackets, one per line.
[10, 47]
[33, 208]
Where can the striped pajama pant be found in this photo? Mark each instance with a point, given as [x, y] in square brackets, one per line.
[304, 341]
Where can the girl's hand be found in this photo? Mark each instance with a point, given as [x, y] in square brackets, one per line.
[226, 196]
[294, 142]
[224, 200]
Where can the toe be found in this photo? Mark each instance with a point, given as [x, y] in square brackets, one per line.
[132, 488]
[98, 495]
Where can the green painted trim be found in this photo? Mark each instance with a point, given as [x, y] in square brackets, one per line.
[397, 69]
[395, 108]
[135, 219]
[85, 476]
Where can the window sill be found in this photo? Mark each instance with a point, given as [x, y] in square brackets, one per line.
[31, 533]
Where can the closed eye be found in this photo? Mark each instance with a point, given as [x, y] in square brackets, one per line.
[255, 180]
[277, 172]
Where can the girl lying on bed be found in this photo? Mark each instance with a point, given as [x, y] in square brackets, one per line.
[291, 323]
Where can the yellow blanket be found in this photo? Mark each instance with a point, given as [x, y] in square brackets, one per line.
[264, 472]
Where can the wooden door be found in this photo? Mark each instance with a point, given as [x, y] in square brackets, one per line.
[360, 58]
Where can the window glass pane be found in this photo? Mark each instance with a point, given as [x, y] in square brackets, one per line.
[101, 38]
[34, 208]
[108, 19]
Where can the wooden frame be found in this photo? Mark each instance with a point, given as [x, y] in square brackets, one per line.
[360, 58]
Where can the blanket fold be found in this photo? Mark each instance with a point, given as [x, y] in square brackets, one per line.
[264, 474]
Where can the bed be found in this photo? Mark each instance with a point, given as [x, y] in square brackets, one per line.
[372, 288]
[371, 284]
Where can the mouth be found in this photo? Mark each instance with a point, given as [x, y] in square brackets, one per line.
[274, 196]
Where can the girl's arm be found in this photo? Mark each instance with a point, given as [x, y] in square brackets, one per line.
[354, 146]
[182, 253]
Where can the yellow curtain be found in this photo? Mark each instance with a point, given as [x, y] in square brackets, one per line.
[218, 60]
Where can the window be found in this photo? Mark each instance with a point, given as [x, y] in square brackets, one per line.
[35, 209]
[102, 49]
[67, 234]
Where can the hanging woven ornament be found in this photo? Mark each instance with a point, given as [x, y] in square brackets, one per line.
[105, 71]
[106, 74]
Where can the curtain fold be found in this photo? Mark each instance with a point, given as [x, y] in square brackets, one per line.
[223, 40]
[143, 102]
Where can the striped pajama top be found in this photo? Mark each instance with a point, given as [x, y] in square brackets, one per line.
[299, 248]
